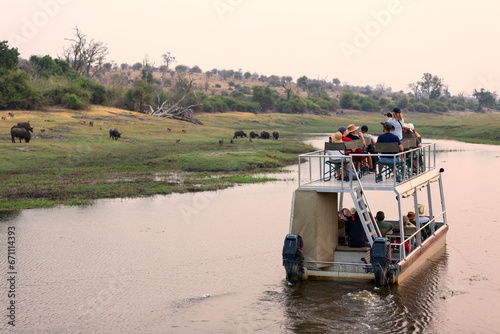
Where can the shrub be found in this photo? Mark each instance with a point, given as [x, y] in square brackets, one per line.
[72, 101]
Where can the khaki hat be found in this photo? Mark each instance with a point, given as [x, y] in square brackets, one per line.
[337, 137]
[407, 127]
[353, 211]
[421, 209]
[352, 128]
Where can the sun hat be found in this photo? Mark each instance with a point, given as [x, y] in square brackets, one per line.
[387, 126]
[380, 216]
[353, 211]
[421, 209]
[345, 214]
[407, 127]
[352, 128]
[364, 128]
[396, 110]
[411, 215]
[412, 127]
[342, 129]
[337, 137]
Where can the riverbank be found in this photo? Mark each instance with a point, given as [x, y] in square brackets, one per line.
[70, 162]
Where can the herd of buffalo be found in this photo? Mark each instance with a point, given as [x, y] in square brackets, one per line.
[22, 131]
[263, 135]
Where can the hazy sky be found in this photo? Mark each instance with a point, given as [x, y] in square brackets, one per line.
[361, 42]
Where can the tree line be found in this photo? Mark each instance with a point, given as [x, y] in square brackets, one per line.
[80, 78]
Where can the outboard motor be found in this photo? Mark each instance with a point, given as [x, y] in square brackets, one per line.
[293, 258]
[380, 255]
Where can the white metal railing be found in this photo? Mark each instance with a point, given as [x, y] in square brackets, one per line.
[414, 245]
[410, 164]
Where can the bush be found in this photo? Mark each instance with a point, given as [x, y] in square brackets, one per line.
[72, 101]
[16, 93]
[217, 86]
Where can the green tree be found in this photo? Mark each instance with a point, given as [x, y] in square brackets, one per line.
[336, 81]
[431, 85]
[264, 97]
[9, 58]
[484, 98]
[302, 82]
[347, 100]
[195, 69]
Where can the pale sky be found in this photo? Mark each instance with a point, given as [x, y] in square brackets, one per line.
[361, 42]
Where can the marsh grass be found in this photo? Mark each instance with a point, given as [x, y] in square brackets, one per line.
[73, 163]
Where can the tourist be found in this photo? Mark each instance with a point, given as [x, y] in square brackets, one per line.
[370, 146]
[388, 137]
[408, 133]
[351, 134]
[356, 236]
[397, 120]
[336, 156]
[383, 226]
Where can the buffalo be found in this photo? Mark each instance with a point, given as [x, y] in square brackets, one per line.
[264, 135]
[25, 125]
[276, 135]
[239, 134]
[21, 133]
[253, 135]
[114, 134]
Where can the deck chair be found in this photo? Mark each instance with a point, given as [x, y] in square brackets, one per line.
[363, 166]
[386, 169]
[334, 164]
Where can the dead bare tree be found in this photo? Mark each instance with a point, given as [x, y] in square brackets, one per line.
[86, 57]
[175, 110]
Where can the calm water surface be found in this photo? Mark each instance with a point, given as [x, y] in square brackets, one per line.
[211, 263]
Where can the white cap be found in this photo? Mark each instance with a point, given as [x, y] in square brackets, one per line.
[412, 127]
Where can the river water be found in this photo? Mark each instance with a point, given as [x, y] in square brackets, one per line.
[211, 263]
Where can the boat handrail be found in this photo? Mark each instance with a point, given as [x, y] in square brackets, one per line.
[402, 251]
[313, 164]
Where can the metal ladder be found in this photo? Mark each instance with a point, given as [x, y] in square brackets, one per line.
[364, 212]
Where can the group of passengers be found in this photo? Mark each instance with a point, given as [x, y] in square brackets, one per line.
[394, 130]
[354, 234]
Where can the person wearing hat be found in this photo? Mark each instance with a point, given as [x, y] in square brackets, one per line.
[412, 128]
[383, 226]
[408, 133]
[351, 134]
[389, 137]
[397, 120]
[336, 156]
[424, 219]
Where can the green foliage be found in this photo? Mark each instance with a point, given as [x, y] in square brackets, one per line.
[16, 93]
[484, 98]
[217, 86]
[72, 101]
[195, 69]
[9, 58]
[347, 100]
[264, 97]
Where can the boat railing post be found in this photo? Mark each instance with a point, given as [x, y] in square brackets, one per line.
[310, 170]
[402, 251]
[443, 206]
[417, 218]
[429, 204]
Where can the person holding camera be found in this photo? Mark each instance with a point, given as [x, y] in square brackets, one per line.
[397, 120]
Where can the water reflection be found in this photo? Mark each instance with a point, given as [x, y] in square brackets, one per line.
[211, 262]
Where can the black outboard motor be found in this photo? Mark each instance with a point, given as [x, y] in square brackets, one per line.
[293, 258]
[380, 255]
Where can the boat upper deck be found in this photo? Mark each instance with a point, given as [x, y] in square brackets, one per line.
[409, 170]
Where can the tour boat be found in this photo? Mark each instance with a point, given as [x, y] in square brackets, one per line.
[314, 247]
